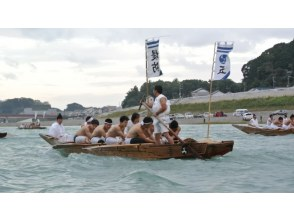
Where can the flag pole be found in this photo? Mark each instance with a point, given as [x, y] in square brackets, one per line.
[147, 86]
[210, 91]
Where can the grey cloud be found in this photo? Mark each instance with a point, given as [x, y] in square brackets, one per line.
[11, 62]
[10, 76]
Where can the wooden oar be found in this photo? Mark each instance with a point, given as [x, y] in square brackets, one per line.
[193, 151]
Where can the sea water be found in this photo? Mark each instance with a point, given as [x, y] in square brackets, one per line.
[256, 164]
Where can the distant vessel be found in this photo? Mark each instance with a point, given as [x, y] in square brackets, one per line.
[30, 123]
[263, 131]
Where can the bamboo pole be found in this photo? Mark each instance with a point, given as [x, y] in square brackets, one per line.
[210, 91]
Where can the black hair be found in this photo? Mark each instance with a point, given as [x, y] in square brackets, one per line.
[87, 118]
[158, 88]
[147, 120]
[123, 118]
[292, 116]
[174, 124]
[134, 116]
[108, 120]
[280, 118]
[95, 122]
[59, 116]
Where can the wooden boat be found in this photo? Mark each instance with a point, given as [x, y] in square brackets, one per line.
[2, 135]
[147, 151]
[263, 131]
[31, 127]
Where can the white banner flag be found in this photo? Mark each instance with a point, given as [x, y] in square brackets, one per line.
[222, 61]
[153, 68]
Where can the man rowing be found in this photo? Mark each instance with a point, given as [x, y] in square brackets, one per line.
[84, 135]
[160, 109]
[99, 133]
[115, 134]
[140, 132]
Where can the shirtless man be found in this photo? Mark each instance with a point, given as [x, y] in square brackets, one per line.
[290, 122]
[140, 133]
[117, 131]
[99, 134]
[134, 120]
[277, 124]
[84, 135]
[174, 126]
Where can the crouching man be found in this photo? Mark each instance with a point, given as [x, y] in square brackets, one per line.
[140, 133]
[84, 135]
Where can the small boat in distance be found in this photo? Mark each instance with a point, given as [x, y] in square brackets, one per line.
[147, 151]
[30, 123]
[2, 135]
[263, 131]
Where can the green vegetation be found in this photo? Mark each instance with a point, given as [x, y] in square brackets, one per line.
[254, 104]
[17, 105]
[273, 68]
[177, 89]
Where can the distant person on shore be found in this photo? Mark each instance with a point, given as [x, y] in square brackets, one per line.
[135, 118]
[254, 122]
[139, 133]
[57, 131]
[160, 109]
[99, 133]
[115, 134]
[84, 135]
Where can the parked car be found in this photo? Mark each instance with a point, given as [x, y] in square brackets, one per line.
[206, 114]
[240, 112]
[280, 112]
[189, 115]
[179, 116]
[199, 116]
[219, 114]
[247, 116]
[172, 117]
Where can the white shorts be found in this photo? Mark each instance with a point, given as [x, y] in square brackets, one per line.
[80, 139]
[159, 128]
[66, 138]
[128, 140]
[95, 140]
[111, 140]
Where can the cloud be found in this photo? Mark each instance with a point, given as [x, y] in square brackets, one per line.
[10, 76]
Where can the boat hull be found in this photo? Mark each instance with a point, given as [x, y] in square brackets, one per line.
[263, 131]
[2, 135]
[202, 150]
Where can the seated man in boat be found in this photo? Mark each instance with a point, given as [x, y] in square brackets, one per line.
[115, 134]
[99, 133]
[135, 118]
[57, 131]
[278, 124]
[84, 135]
[160, 109]
[290, 122]
[254, 122]
[174, 126]
[269, 121]
[87, 120]
[140, 133]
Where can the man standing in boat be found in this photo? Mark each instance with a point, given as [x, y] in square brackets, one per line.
[57, 131]
[160, 109]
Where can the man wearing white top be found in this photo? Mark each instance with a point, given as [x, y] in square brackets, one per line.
[57, 131]
[160, 109]
[254, 122]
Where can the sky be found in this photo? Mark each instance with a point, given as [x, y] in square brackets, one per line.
[98, 66]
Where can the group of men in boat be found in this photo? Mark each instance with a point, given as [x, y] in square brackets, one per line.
[150, 130]
[278, 123]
